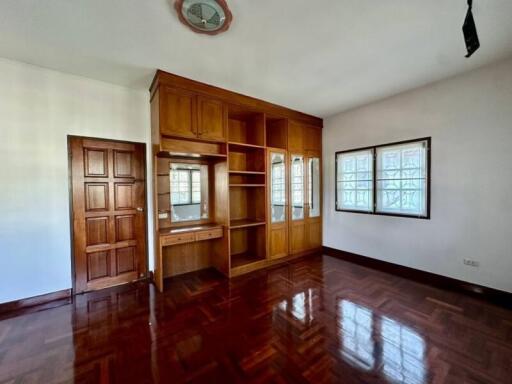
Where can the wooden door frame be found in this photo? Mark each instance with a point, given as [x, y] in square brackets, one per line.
[70, 196]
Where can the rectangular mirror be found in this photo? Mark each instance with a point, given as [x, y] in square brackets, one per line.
[297, 187]
[278, 189]
[189, 192]
[314, 186]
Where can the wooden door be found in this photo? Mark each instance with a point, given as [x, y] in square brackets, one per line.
[178, 113]
[313, 201]
[297, 187]
[212, 119]
[278, 203]
[108, 212]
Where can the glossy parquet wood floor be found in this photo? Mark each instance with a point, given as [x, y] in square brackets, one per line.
[317, 320]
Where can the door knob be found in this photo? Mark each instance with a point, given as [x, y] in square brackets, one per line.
[139, 209]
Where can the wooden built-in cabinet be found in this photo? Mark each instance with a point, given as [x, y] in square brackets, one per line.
[211, 119]
[180, 113]
[264, 179]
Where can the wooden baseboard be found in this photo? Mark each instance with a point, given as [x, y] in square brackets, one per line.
[34, 301]
[492, 295]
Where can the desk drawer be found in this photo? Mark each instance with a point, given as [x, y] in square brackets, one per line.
[209, 234]
[178, 239]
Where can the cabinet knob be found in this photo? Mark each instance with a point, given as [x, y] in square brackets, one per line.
[139, 209]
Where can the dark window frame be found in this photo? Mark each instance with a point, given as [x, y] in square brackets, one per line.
[374, 211]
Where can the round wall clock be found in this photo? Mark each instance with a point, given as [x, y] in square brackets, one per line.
[204, 16]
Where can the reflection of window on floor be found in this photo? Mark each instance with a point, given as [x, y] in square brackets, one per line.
[403, 351]
[402, 355]
[356, 335]
[301, 306]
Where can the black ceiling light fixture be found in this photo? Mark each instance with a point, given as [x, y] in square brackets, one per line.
[469, 30]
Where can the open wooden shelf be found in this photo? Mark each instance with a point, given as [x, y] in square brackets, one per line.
[248, 243]
[247, 204]
[247, 185]
[248, 159]
[247, 172]
[246, 127]
[247, 179]
[234, 146]
[244, 259]
[277, 132]
[245, 223]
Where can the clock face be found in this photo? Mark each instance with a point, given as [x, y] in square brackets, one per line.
[204, 15]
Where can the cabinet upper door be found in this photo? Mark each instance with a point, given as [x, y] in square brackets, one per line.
[178, 113]
[295, 137]
[313, 138]
[212, 119]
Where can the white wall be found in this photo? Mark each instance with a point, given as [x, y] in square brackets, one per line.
[470, 120]
[38, 109]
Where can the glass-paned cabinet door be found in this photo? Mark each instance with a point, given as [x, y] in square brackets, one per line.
[278, 187]
[314, 186]
[297, 187]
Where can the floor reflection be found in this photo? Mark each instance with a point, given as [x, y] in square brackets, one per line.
[300, 306]
[373, 343]
[356, 335]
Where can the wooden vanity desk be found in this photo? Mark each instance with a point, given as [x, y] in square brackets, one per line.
[190, 234]
[189, 248]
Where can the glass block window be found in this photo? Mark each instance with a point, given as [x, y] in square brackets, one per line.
[354, 180]
[402, 179]
[391, 179]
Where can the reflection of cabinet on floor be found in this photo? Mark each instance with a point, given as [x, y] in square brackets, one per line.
[264, 195]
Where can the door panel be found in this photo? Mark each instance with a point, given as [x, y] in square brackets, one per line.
[109, 222]
[212, 119]
[278, 203]
[298, 241]
[97, 230]
[295, 137]
[96, 196]
[314, 233]
[313, 138]
[98, 265]
[314, 204]
[178, 113]
[95, 162]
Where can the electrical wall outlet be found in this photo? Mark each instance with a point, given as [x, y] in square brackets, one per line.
[471, 263]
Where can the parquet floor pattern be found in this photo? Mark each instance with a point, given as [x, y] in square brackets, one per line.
[317, 320]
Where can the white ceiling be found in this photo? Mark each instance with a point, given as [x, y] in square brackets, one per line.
[317, 56]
